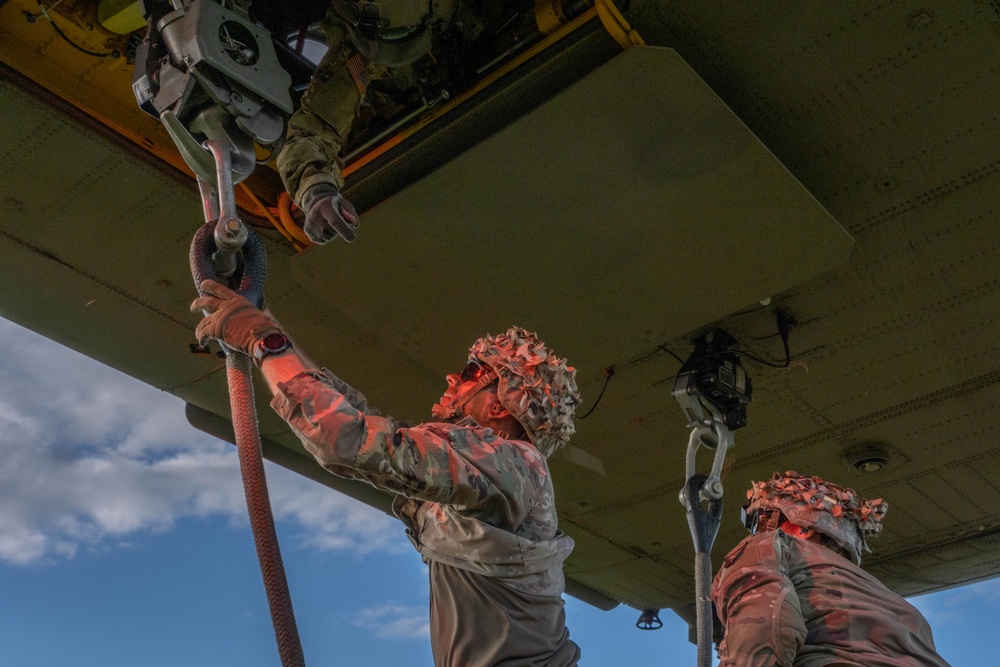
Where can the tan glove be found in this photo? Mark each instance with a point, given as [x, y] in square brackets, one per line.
[328, 215]
[231, 319]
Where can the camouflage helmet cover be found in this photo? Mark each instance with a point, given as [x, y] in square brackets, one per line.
[536, 386]
[830, 509]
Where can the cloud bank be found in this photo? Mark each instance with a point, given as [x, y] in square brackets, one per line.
[89, 456]
[954, 607]
[393, 621]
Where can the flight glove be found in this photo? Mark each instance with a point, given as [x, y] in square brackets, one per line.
[328, 215]
[230, 318]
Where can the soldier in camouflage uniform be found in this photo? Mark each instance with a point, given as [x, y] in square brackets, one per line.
[793, 594]
[310, 161]
[473, 485]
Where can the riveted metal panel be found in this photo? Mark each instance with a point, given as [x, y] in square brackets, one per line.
[631, 208]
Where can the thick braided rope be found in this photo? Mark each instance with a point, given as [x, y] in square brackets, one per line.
[265, 538]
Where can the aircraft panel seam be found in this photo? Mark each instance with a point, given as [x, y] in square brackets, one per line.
[835, 433]
[925, 198]
[111, 288]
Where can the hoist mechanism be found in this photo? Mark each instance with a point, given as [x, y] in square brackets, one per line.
[210, 73]
[212, 77]
[713, 390]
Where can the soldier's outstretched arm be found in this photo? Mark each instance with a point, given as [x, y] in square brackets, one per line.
[444, 463]
[467, 467]
[280, 369]
[759, 608]
[240, 325]
[318, 130]
[310, 161]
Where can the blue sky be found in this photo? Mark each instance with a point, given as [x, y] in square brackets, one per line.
[124, 542]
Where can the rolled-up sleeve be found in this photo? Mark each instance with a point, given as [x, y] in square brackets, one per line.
[436, 462]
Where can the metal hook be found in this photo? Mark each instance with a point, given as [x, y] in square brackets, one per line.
[707, 434]
[223, 241]
[704, 525]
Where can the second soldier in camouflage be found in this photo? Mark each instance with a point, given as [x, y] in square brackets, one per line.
[793, 595]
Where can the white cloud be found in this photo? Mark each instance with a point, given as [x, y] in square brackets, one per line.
[954, 605]
[331, 521]
[89, 456]
[390, 620]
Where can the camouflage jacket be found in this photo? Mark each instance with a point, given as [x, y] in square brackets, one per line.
[791, 602]
[468, 498]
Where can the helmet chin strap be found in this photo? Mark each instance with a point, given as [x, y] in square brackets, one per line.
[446, 411]
[795, 530]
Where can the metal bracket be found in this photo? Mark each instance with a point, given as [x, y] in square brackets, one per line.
[195, 156]
[649, 619]
[704, 524]
[219, 204]
[711, 435]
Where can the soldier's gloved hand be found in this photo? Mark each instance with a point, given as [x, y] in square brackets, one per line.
[328, 215]
[231, 318]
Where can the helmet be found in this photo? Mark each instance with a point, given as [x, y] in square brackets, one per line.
[395, 33]
[534, 385]
[835, 511]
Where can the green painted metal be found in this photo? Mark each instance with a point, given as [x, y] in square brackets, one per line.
[592, 220]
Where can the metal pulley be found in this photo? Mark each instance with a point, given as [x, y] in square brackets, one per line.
[704, 524]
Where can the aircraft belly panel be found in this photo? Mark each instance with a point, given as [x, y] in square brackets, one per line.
[94, 247]
[617, 219]
[631, 208]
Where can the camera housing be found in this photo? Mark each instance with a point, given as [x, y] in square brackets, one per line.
[712, 385]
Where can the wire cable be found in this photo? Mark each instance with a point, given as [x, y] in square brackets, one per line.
[609, 373]
[671, 353]
[274, 221]
[765, 362]
[110, 54]
[785, 324]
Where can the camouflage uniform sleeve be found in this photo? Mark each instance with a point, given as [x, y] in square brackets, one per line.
[442, 463]
[356, 399]
[318, 130]
[758, 606]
